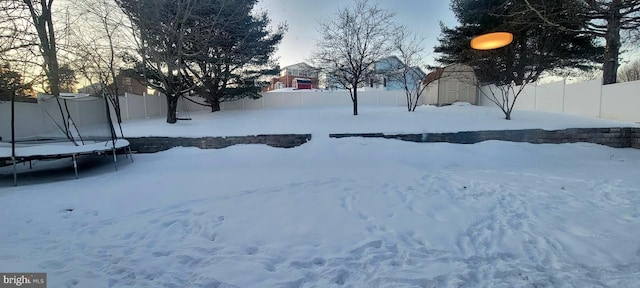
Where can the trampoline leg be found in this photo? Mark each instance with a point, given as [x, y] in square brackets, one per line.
[130, 154]
[75, 165]
[30, 166]
[115, 159]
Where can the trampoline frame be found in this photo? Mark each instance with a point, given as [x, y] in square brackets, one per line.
[58, 151]
[20, 153]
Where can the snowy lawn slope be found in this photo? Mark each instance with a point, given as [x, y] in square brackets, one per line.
[378, 119]
[335, 213]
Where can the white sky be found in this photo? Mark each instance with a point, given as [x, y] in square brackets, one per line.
[302, 17]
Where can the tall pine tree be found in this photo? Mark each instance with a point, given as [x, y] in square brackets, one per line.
[535, 48]
[236, 52]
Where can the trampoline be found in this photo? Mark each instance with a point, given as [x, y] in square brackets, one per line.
[67, 126]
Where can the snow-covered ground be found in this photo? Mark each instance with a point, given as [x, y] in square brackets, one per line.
[382, 119]
[347, 212]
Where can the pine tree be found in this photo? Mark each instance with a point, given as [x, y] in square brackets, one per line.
[236, 53]
[535, 48]
[12, 85]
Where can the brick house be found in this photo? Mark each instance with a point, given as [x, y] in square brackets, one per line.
[125, 84]
[297, 76]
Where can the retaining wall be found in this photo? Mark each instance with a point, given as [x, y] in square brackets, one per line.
[156, 144]
[612, 137]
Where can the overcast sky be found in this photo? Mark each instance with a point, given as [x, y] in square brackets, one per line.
[302, 17]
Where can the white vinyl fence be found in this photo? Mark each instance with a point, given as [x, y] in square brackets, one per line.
[145, 106]
[36, 119]
[140, 106]
[615, 101]
[31, 120]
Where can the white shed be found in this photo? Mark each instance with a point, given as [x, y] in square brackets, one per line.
[454, 83]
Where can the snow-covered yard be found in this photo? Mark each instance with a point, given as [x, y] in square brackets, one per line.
[347, 212]
[378, 119]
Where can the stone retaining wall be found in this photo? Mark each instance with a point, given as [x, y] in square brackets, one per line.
[613, 137]
[156, 144]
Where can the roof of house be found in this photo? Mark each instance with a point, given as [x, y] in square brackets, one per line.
[435, 75]
[394, 58]
[297, 65]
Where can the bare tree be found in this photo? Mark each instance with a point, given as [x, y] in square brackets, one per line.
[14, 30]
[20, 42]
[504, 96]
[410, 49]
[630, 72]
[605, 19]
[97, 46]
[40, 19]
[41, 16]
[352, 42]
[16, 42]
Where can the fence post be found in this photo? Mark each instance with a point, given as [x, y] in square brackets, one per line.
[160, 102]
[535, 96]
[144, 100]
[126, 102]
[564, 88]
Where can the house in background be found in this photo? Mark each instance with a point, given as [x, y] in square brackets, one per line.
[450, 84]
[388, 75]
[125, 85]
[297, 76]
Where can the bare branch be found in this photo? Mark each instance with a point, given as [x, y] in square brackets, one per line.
[351, 43]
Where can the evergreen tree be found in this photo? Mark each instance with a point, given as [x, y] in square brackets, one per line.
[236, 53]
[12, 85]
[67, 79]
[606, 19]
[162, 29]
[213, 47]
[535, 48]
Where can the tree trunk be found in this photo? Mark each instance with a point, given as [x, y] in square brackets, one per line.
[507, 115]
[355, 100]
[172, 108]
[215, 104]
[612, 49]
[415, 104]
[116, 101]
